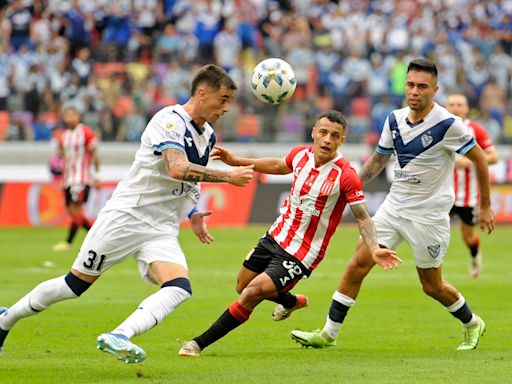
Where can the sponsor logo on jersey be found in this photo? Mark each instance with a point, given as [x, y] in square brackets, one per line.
[306, 205]
[404, 176]
[169, 126]
[464, 139]
[434, 250]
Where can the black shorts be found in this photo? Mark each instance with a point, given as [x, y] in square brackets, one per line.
[76, 194]
[284, 269]
[468, 215]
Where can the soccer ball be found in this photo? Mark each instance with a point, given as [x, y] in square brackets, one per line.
[273, 81]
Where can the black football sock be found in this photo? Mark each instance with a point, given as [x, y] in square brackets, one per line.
[234, 316]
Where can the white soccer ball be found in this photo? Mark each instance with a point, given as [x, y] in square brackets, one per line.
[273, 81]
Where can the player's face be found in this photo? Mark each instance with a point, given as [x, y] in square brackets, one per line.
[327, 137]
[71, 118]
[458, 105]
[420, 89]
[214, 103]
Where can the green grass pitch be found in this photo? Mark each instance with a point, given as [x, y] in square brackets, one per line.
[394, 334]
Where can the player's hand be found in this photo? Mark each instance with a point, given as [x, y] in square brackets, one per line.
[241, 176]
[386, 258]
[462, 162]
[97, 184]
[199, 227]
[224, 155]
[486, 219]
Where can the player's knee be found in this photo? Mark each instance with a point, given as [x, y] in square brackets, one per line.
[430, 288]
[359, 266]
[240, 285]
[251, 293]
[180, 282]
[77, 285]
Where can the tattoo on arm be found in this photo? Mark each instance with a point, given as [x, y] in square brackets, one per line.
[176, 160]
[197, 173]
[373, 166]
[365, 223]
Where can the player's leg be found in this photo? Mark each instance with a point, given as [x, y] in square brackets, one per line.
[256, 261]
[42, 297]
[348, 289]
[96, 256]
[343, 298]
[436, 287]
[281, 274]
[235, 315]
[472, 240]
[86, 224]
[429, 244]
[162, 262]
[73, 226]
[75, 196]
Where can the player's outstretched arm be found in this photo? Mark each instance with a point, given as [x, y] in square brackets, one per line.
[179, 168]
[373, 166]
[269, 165]
[384, 257]
[485, 213]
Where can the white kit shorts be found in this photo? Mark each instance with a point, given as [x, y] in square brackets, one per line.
[116, 236]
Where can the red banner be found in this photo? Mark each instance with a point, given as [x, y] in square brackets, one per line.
[42, 204]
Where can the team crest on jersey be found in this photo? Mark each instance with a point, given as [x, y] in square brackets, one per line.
[434, 250]
[310, 180]
[327, 187]
[426, 139]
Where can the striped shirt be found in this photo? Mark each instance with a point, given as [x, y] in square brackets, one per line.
[465, 183]
[76, 145]
[313, 209]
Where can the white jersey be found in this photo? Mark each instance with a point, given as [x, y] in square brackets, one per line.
[147, 192]
[422, 188]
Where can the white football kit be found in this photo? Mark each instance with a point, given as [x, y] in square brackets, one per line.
[421, 195]
[143, 216]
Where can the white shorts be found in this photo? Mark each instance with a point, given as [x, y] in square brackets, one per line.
[429, 242]
[116, 235]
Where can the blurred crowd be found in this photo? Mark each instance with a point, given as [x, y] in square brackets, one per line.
[120, 61]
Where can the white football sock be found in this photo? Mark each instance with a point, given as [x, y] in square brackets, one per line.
[152, 311]
[37, 300]
[332, 328]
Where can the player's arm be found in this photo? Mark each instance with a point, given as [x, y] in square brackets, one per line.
[486, 214]
[269, 165]
[464, 162]
[385, 257]
[179, 168]
[373, 166]
[491, 155]
[95, 160]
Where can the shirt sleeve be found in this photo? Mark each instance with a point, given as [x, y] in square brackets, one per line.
[90, 139]
[166, 131]
[352, 186]
[482, 137]
[386, 145]
[291, 155]
[458, 138]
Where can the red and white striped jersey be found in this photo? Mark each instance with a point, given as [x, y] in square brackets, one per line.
[465, 182]
[312, 211]
[76, 145]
